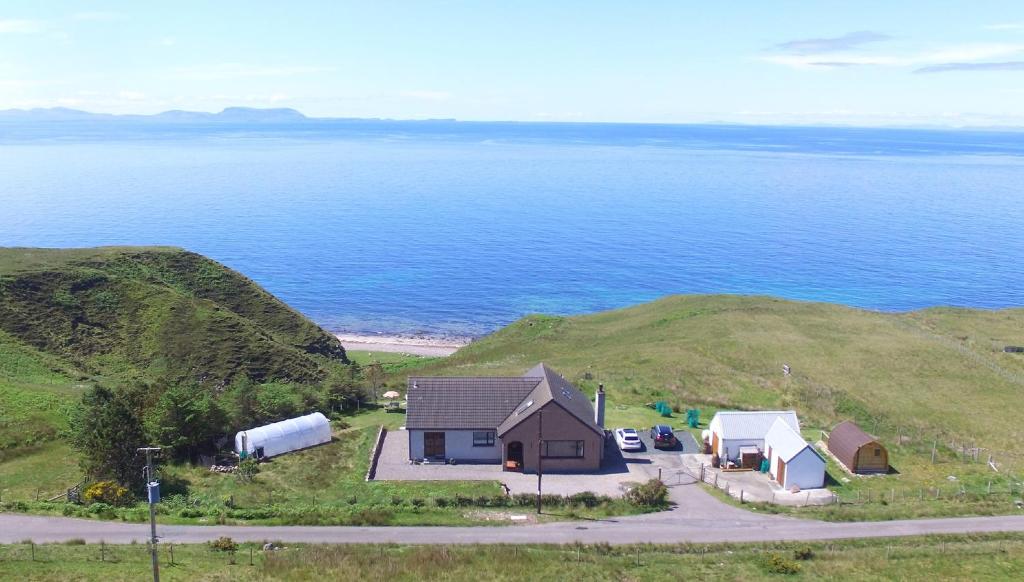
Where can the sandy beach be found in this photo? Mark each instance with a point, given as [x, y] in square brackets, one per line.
[420, 346]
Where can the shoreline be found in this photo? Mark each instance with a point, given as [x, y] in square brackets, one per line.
[415, 345]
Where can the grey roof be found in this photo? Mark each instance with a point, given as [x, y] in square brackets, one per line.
[491, 402]
[552, 387]
[754, 424]
[786, 442]
[464, 402]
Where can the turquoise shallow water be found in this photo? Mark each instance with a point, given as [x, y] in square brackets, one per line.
[455, 228]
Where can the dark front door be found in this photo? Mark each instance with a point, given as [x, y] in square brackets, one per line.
[433, 444]
[515, 452]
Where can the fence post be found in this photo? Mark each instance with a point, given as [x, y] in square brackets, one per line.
[103, 552]
[741, 496]
[638, 555]
[250, 555]
[934, 443]
[32, 545]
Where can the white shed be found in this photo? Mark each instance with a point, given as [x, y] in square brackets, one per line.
[283, 437]
[732, 429]
[791, 460]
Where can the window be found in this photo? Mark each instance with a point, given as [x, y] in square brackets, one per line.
[563, 449]
[878, 452]
[483, 439]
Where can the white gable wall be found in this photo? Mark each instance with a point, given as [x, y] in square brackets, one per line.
[806, 470]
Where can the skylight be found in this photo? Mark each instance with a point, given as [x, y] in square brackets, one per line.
[524, 407]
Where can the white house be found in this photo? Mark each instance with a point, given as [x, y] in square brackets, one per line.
[792, 462]
[733, 429]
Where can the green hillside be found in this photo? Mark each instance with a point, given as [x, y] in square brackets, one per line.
[936, 373]
[159, 313]
[145, 318]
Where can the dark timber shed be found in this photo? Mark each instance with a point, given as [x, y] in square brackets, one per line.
[859, 451]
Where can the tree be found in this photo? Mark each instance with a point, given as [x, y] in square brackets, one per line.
[185, 419]
[106, 431]
[375, 376]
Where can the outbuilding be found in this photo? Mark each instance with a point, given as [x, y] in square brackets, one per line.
[792, 462]
[282, 437]
[858, 451]
[731, 430]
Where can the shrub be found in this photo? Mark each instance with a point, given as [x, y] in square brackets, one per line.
[463, 501]
[524, 499]
[653, 493]
[75, 542]
[371, 517]
[417, 502]
[442, 501]
[778, 564]
[396, 500]
[224, 544]
[585, 498]
[247, 470]
[803, 553]
[107, 492]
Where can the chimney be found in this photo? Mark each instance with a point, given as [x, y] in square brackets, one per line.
[599, 406]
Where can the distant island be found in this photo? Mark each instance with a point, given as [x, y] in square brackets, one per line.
[228, 115]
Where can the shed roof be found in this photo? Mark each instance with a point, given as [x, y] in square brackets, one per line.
[786, 442]
[464, 402]
[753, 424]
[846, 439]
[552, 387]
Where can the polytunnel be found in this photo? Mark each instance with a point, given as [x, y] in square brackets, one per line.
[282, 437]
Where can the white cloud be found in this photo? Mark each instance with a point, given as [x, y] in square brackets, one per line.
[213, 72]
[427, 95]
[16, 26]
[951, 54]
[132, 95]
[99, 16]
[1006, 26]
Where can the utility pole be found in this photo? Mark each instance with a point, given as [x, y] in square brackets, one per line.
[153, 494]
[540, 455]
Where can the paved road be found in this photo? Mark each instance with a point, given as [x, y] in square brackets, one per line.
[698, 517]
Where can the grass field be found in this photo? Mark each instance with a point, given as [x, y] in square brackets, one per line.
[934, 377]
[991, 557]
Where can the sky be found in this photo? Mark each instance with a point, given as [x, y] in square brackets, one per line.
[912, 62]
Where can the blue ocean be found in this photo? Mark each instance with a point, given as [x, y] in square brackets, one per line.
[456, 228]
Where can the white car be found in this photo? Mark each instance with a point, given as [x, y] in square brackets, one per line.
[628, 439]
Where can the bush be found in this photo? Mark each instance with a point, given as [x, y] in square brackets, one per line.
[396, 500]
[803, 553]
[442, 501]
[371, 517]
[586, 499]
[224, 544]
[107, 492]
[417, 502]
[247, 470]
[653, 493]
[778, 564]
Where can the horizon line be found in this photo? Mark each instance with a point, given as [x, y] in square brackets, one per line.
[304, 117]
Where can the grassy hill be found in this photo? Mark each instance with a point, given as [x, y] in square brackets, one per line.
[70, 319]
[937, 373]
[156, 312]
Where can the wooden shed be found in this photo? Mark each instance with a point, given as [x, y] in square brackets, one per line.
[859, 451]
